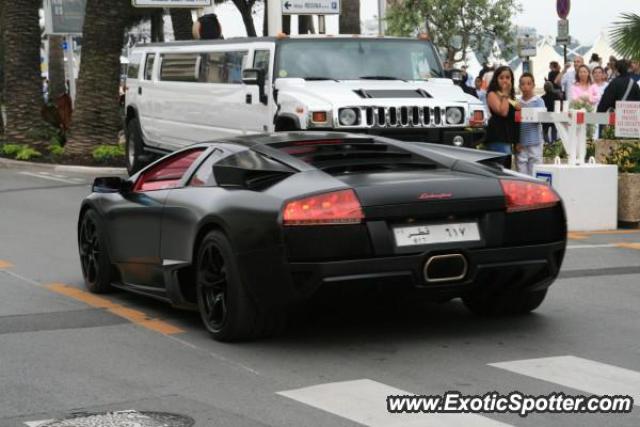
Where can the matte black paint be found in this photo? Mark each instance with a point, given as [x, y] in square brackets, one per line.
[153, 236]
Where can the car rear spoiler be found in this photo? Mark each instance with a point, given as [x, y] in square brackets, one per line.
[461, 153]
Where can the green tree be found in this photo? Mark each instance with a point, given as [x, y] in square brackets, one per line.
[454, 25]
[22, 77]
[625, 35]
[96, 117]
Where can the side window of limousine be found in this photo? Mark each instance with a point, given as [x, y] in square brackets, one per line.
[222, 67]
[148, 66]
[179, 67]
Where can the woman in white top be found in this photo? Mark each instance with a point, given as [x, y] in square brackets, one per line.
[599, 81]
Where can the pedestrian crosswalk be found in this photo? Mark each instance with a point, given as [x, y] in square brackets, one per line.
[580, 374]
[55, 177]
[364, 400]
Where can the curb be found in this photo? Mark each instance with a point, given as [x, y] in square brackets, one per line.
[85, 170]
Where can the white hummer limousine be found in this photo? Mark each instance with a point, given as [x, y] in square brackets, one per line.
[184, 92]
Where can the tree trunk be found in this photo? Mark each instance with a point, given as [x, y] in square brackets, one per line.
[245, 9]
[97, 117]
[57, 84]
[350, 17]
[182, 24]
[305, 24]
[22, 80]
[157, 26]
[2, 26]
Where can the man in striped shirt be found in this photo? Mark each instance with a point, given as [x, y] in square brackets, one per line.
[529, 149]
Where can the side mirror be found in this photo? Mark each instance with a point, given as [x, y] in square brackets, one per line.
[252, 76]
[110, 184]
[255, 77]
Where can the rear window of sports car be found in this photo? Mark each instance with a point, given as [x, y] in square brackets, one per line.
[168, 173]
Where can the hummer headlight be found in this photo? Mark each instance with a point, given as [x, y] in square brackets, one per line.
[454, 115]
[348, 117]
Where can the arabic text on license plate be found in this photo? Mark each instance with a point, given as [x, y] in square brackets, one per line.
[438, 233]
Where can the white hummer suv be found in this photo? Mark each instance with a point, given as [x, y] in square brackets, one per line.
[185, 92]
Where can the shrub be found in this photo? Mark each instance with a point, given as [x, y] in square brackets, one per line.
[626, 156]
[106, 153]
[19, 151]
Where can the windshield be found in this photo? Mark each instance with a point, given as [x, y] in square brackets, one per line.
[346, 59]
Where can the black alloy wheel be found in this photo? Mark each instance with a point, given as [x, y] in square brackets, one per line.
[212, 287]
[94, 259]
[226, 309]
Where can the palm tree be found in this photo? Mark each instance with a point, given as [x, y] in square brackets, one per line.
[182, 23]
[22, 79]
[1, 63]
[97, 115]
[56, 67]
[350, 17]
[625, 35]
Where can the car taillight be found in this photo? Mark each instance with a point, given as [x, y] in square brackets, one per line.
[526, 195]
[337, 207]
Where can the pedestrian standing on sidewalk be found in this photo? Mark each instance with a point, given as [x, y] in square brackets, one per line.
[502, 130]
[551, 95]
[529, 147]
[622, 88]
[568, 76]
[583, 89]
[599, 81]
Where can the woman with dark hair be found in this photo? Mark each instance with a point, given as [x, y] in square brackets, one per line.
[582, 89]
[502, 131]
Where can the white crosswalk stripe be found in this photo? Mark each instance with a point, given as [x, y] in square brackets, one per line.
[364, 401]
[578, 373]
[53, 177]
[37, 423]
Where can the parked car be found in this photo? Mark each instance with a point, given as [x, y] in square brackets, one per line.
[185, 92]
[246, 227]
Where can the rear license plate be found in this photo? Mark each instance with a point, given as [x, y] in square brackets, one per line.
[436, 233]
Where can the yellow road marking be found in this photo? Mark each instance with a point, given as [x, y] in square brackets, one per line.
[134, 316]
[576, 236]
[627, 245]
[614, 232]
[5, 264]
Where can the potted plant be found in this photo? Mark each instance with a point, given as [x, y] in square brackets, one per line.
[626, 155]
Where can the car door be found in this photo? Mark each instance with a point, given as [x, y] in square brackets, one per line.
[134, 219]
[258, 114]
[186, 206]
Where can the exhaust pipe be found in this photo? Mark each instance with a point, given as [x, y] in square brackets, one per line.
[445, 268]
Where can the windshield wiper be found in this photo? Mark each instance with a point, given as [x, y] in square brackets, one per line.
[320, 78]
[380, 78]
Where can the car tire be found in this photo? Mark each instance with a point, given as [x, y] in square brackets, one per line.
[134, 147]
[97, 271]
[226, 309]
[504, 304]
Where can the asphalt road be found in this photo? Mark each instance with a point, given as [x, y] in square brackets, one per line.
[63, 351]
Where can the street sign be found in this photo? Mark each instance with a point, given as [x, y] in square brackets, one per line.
[527, 47]
[192, 4]
[563, 28]
[563, 41]
[64, 17]
[563, 7]
[311, 7]
[628, 119]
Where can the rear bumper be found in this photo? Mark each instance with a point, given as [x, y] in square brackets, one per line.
[529, 268]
